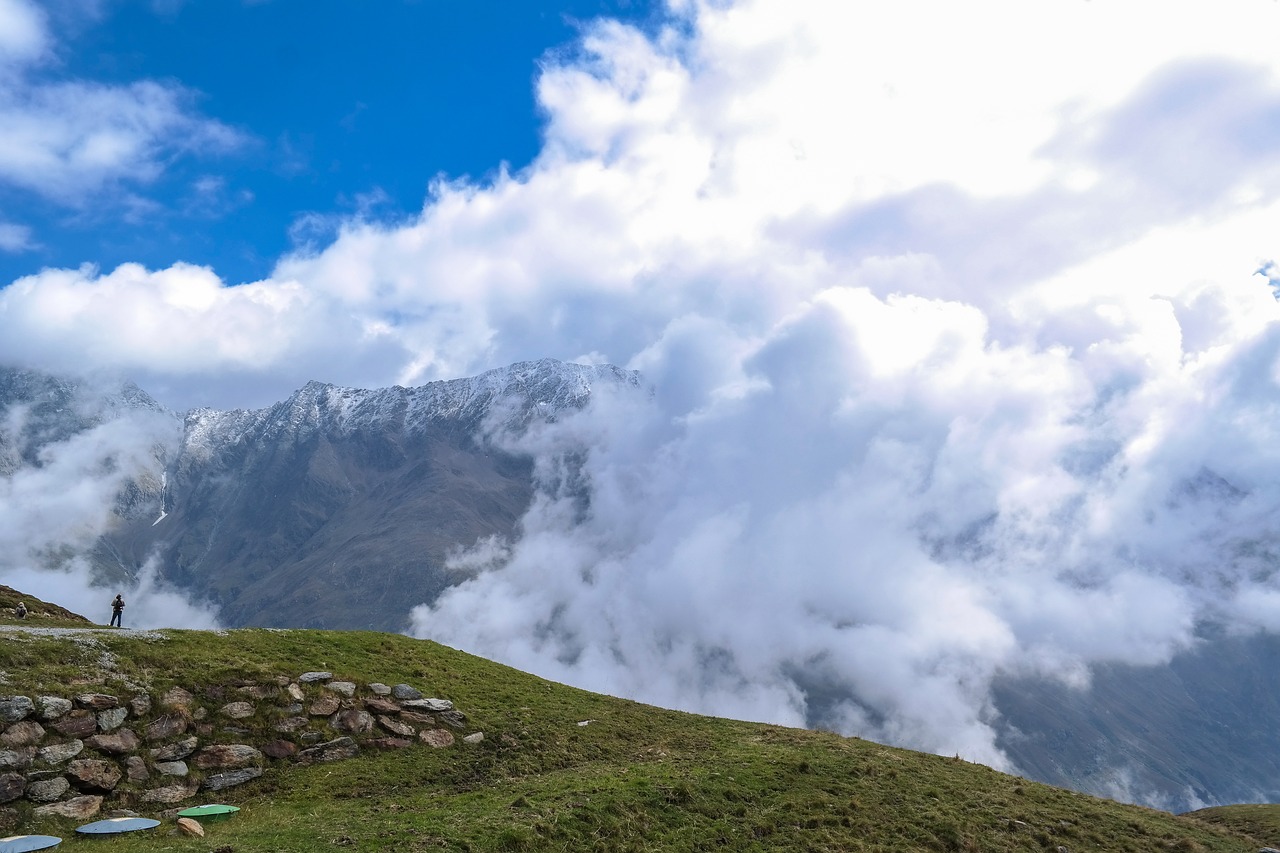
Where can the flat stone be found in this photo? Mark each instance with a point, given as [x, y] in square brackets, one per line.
[112, 719]
[325, 706]
[52, 707]
[378, 705]
[344, 688]
[78, 808]
[379, 689]
[354, 721]
[295, 693]
[334, 750]
[396, 727]
[436, 737]
[454, 717]
[419, 717]
[93, 775]
[119, 742]
[78, 723]
[56, 753]
[176, 697]
[432, 705]
[47, 790]
[97, 701]
[172, 768]
[190, 827]
[140, 705]
[226, 756]
[23, 733]
[135, 770]
[279, 748]
[231, 778]
[237, 710]
[175, 751]
[292, 724]
[165, 726]
[404, 691]
[169, 794]
[14, 708]
[18, 758]
[11, 786]
[476, 737]
[312, 677]
[387, 743]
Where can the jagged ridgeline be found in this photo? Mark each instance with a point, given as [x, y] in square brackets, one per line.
[317, 737]
[335, 508]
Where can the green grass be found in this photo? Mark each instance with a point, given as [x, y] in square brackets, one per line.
[637, 778]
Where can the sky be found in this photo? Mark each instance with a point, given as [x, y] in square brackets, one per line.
[960, 318]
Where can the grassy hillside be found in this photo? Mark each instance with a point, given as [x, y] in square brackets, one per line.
[633, 778]
[39, 613]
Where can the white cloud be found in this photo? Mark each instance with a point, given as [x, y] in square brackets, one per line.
[15, 238]
[961, 363]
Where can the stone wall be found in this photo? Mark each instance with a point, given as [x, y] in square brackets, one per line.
[70, 755]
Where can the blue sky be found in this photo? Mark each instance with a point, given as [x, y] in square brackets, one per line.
[331, 107]
[948, 323]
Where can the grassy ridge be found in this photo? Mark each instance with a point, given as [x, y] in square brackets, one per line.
[635, 778]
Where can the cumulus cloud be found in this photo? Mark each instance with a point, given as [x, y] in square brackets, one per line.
[962, 361]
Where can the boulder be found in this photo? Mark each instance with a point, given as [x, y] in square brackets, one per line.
[379, 689]
[237, 710]
[52, 707]
[175, 751]
[396, 727]
[18, 758]
[312, 677]
[169, 794]
[436, 737]
[24, 733]
[190, 827]
[11, 786]
[77, 808]
[93, 775]
[325, 706]
[353, 721]
[119, 742]
[165, 726]
[78, 723]
[14, 708]
[56, 753]
[404, 691]
[344, 688]
[48, 790]
[334, 750]
[135, 770]
[172, 768]
[97, 701]
[112, 719]
[226, 756]
[231, 778]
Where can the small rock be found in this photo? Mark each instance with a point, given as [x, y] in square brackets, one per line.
[259, 691]
[455, 718]
[112, 718]
[475, 737]
[140, 705]
[377, 688]
[237, 710]
[404, 691]
[119, 742]
[226, 756]
[97, 701]
[135, 770]
[389, 743]
[48, 790]
[419, 717]
[396, 727]
[200, 713]
[52, 707]
[432, 705]
[381, 706]
[231, 778]
[312, 677]
[93, 775]
[169, 794]
[172, 768]
[24, 733]
[176, 697]
[11, 786]
[165, 726]
[14, 708]
[334, 750]
[190, 827]
[345, 688]
[78, 723]
[19, 758]
[325, 706]
[175, 751]
[279, 749]
[436, 737]
[353, 721]
[78, 808]
[291, 724]
[56, 753]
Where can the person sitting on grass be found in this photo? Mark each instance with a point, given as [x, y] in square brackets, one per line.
[21, 610]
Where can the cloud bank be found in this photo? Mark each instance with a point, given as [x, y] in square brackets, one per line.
[963, 344]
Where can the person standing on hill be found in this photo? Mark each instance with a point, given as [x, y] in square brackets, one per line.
[117, 611]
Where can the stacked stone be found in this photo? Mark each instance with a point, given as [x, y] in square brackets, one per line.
[69, 755]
